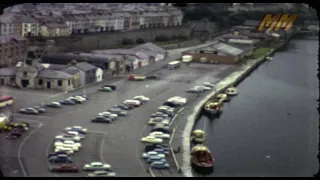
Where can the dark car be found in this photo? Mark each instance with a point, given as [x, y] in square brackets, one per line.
[153, 77]
[123, 106]
[56, 154]
[113, 87]
[15, 133]
[60, 159]
[164, 129]
[10, 136]
[101, 119]
[54, 105]
[165, 147]
[67, 102]
[64, 168]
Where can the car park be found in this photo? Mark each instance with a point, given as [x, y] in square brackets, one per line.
[105, 89]
[78, 129]
[31, 111]
[64, 168]
[54, 105]
[134, 103]
[67, 102]
[101, 119]
[160, 135]
[151, 139]
[60, 159]
[160, 165]
[118, 111]
[39, 109]
[102, 174]
[96, 166]
[142, 99]
[109, 115]
[123, 106]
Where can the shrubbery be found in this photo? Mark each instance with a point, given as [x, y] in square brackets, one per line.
[127, 41]
[162, 38]
[140, 41]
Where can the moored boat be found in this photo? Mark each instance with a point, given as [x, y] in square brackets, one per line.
[268, 58]
[201, 159]
[198, 136]
[213, 107]
[231, 91]
[222, 97]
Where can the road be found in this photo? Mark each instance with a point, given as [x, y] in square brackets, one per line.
[115, 143]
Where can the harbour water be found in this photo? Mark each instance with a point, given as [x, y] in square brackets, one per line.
[271, 127]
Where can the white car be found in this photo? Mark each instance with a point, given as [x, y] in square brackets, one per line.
[79, 98]
[108, 114]
[61, 144]
[96, 166]
[152, 153]
[160, 135]
[65, 149]
[158, 120]
[203, 88]
[207, 84]
[77, 144]
[76, 128]
[75, 133]
[177, 100]
[151, 139]
[141, 98]
[135, 103]
[167, 110]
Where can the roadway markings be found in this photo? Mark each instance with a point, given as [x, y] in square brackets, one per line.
[172, 152]
[20, 148]
[175, 116]
[59, 94]
[151, 172]
[101, 147]
[98, 132]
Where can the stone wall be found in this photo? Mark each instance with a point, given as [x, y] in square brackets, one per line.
[87, 42]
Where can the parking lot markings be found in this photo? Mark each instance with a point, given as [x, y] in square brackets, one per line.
[20, 148]
[151, 172]
[101, 147]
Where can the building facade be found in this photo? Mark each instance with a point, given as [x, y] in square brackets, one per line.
[55, 30]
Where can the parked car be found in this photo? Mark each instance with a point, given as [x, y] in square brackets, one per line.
[142, 99]
[203, 88]
[60, 159]
[160, 114]
[67, 150]
[68, 144]
[167, 110]
[84, 96]
[207, 84]
[154, 77]
[160, 165]
[105, 89]
[151, 148]
[155, 158]
[76, 100]
[160, 135]
[176, 101]
[162, 128]
[64, 168]
[134, 103]
[54, 105]
[78, 129]
[194, 90]
[56, 154]
[66, 137]
[123, 106]
[118, 111]
[146, 155]
[101, 119]
[133, 77]
[151, 139]
[109, 115]
[29, 111]
[62, 145]
[39, 109]
[158, 120]
[75, 133]
[96, 166]
[67, 102]
[112, 87]
[102, 174]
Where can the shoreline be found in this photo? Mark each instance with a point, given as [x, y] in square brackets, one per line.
[232, 80]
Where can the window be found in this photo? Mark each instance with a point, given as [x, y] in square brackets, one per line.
[59, 83]
[40, 82]
[25, 74]
[69, 82]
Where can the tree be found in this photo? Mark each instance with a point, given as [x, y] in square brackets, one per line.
[140, 41]
[162, 38]
[127, 41]
[73, 62]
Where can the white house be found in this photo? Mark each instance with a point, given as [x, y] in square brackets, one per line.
[143, 59]
[161, 53]
[99, 74]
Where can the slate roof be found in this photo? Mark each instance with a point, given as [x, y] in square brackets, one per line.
[54, 66]
[53, 74]
[8, 71]
[150, 47]
[84, 66]
[56, 58]
[70, 71]
[28, 68]
[150, 53]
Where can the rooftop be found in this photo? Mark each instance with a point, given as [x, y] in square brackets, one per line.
[84, 66]
[53, 74]
[228, 49]
[148, 47]
[8, 71]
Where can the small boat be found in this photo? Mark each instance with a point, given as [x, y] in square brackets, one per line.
[222, 97]
[231, 91]
[268, 58]
[198, 136]
[201, 159]
[213, 107]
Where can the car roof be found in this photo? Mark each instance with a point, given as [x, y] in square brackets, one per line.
[96, 163]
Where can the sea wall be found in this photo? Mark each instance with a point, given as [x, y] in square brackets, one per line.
[232, 80]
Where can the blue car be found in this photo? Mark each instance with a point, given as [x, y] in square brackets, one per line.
[160, 165]
[122, 107]
[161, 150]
[67, 102]
[61, 158]
[155, 158]
[101, 119]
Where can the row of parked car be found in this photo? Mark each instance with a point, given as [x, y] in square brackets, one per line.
[15, 130]
[113, 113]
[65, 145]
[201, 88]
[35, 110]
[156, 151]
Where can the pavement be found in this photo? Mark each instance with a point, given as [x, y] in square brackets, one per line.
[117, 144]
